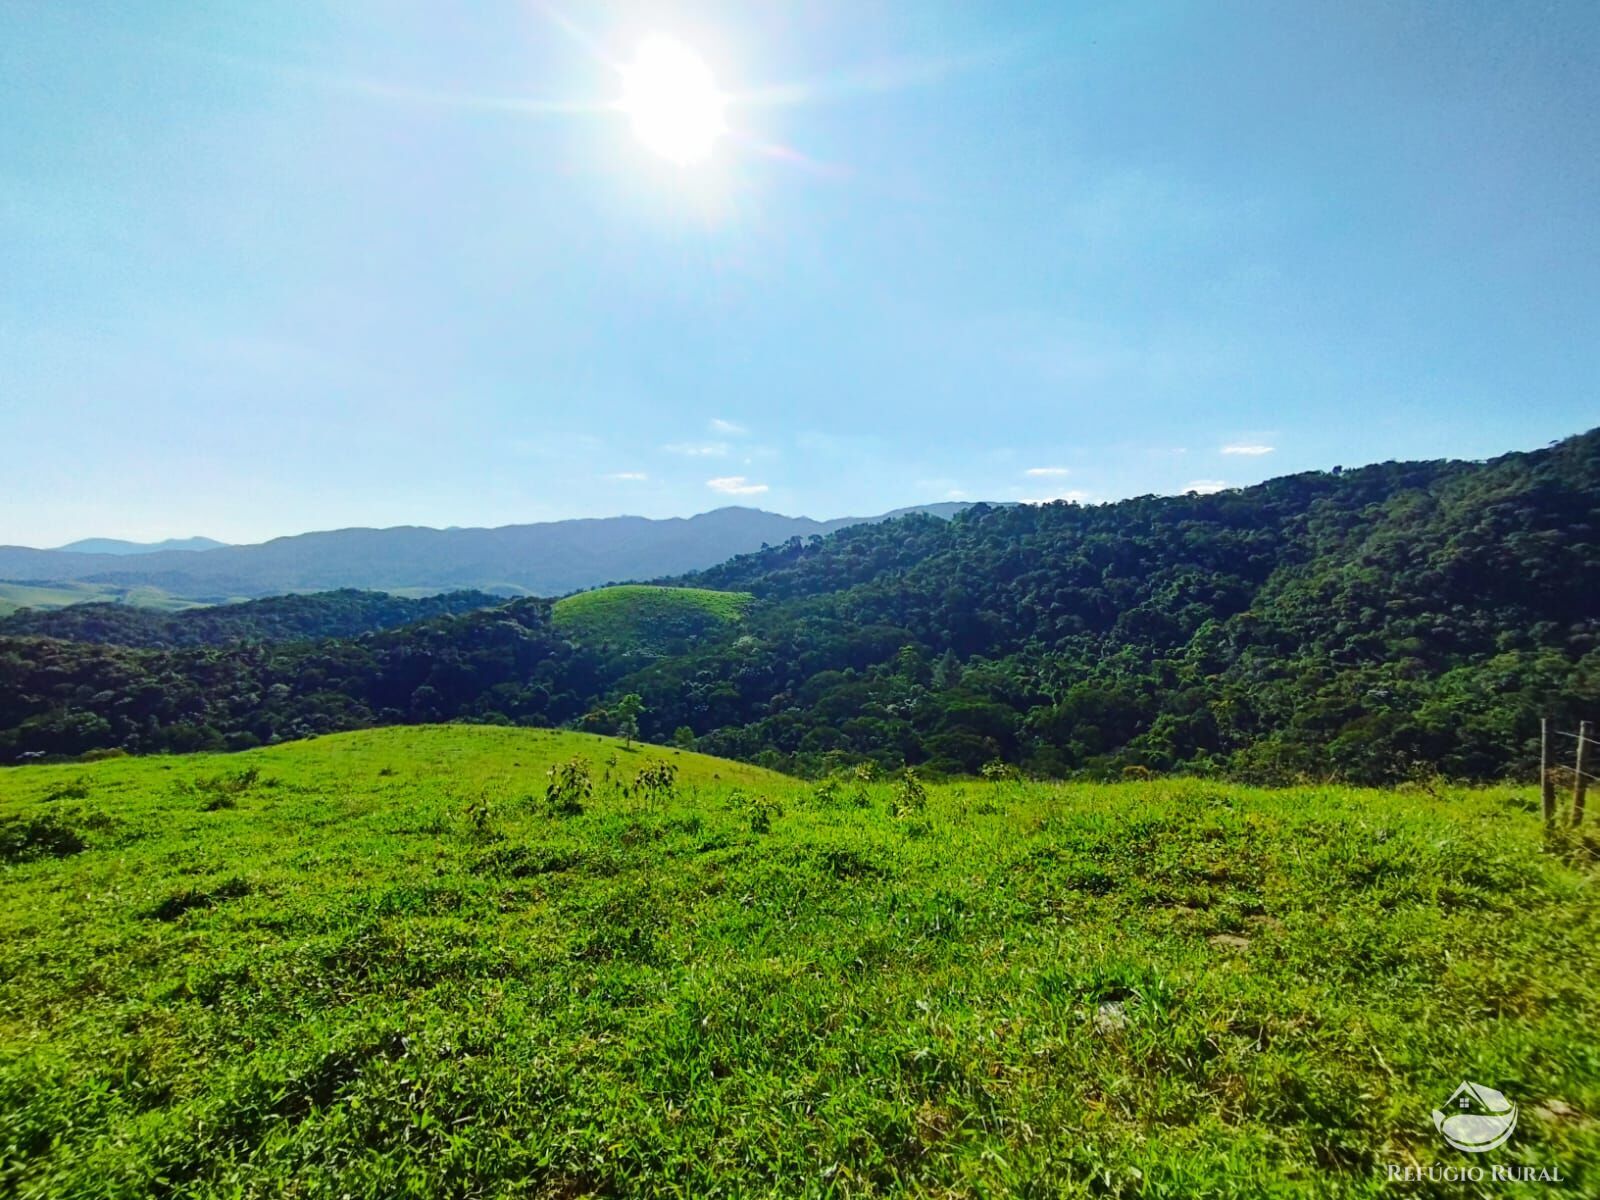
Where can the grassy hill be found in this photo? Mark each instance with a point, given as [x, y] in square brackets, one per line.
[382, 964]
[14, 596]
[651, 619]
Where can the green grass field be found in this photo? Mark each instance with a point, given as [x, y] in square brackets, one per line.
[647, 618]
[59, 595]
[386, 964]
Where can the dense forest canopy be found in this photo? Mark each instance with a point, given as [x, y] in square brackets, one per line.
[338, 614]
[1368, 624]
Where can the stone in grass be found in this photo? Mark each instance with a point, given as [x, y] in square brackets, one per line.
[1231, 941]
[1555, 1110]
[1110, 1017]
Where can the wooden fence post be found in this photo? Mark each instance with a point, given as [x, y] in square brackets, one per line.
[1547, 785]
[1580, 785]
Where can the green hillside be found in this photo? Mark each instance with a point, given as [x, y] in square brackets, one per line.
[658, 620]
[340, 614]
[1376, 625]
[385, 964]
[14, 596]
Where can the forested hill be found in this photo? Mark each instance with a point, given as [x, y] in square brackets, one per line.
[338, 614]
[1359, 622]
[1370, 624]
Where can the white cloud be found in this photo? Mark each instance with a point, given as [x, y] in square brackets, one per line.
[1046, 472]
[727, 428]
[627, 476]
[1072, 495]
[955, 494]
[699, 449]
[1205, 486]
[1250, 448]
[735, 485]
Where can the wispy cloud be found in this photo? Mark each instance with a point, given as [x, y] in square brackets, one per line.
[1251, 449]
[699, 449]
[727, 428]
[955, 494]
[1046, 472]
[627, 476]
[1071, 495]
[735, 485]
[1205, 486]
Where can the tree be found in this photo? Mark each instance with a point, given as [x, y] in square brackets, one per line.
[627, 712]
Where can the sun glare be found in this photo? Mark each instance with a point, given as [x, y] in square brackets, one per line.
[669, 95]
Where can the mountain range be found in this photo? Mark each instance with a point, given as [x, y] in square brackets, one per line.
[1381, 624]
[118, 546]
[545, 559]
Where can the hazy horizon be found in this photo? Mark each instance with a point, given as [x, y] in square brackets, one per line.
[685, 516]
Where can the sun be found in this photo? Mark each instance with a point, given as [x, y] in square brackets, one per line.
[671, 98]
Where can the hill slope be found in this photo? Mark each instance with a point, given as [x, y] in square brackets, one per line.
[339, 614]
[45, 596]
[380, 964]
[646, 619]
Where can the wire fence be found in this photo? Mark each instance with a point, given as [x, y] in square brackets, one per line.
[1576, 773]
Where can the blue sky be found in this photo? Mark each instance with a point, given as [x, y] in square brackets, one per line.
[294, 266]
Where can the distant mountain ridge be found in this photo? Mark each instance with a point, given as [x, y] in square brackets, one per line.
[545, 559]
[119, 546]
[1381, 624]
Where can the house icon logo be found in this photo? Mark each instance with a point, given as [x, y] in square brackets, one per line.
[1476, 1118]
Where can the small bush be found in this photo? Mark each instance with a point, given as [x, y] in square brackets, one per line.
[176, 905]
[759, 809]
[569, 789]
[77, 789]
[28, 838]
[656, 781]
[910, 797]
[223, 791]
[478, 813]
[827, 793]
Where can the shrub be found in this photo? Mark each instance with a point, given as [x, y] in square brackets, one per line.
[759, 809]
[910, 797]
[223, 791]
[569, 789]
[28, 838]
[477, 813]
[656, 781]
